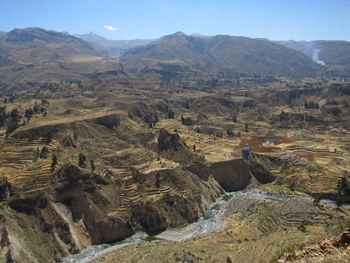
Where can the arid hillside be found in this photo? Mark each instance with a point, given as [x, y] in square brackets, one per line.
[227, 56]
[33, 54]
[197, 150]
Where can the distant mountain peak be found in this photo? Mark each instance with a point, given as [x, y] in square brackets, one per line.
[179, 33]
[92, 36]
[29, 34]
[200, 36]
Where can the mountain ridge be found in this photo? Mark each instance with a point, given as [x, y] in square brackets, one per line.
[236, 55]
[112, 48]
[334, 54]
[35, 54]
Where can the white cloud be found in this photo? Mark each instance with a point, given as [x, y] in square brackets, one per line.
[112, 28]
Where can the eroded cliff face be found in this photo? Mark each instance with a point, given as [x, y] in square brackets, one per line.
[232, 175]
[144, 181]
[238, 174]
[80, 208]
[171, 146]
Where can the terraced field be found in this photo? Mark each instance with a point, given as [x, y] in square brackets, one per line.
[25, 172]
[257, 224]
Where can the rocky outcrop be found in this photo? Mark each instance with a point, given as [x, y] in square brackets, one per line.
[79, 209]
[171, 146]
[12, 249]
[237, 174]
[169, 141]
[260, 167]
[68, 141]
[328, 250]
[5, 188]
[232, 175]
[85, 197]
[176, 197]
[200, 169]
[109, 121]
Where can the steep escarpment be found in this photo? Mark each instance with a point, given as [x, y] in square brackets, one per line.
[237, 174]
[260, 167]
[232, 175]
[171, 146]
[81, 208]
[59, 189]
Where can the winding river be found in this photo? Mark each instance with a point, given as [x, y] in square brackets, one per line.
[212, 222]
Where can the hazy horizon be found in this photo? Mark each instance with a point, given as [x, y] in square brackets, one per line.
[124, 20]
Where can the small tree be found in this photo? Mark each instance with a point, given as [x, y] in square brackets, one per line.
[283, 116]
[157, 180]
[230, 132]
[343, 190]
[49, 136]
[54, 161]
[302, 226]
[37, 153]
[182, 119]
[13, 126]
[36, 108]
[75, 136]
[44, 152]
[171, 114]
[14, 115]
[3, 115]
[155, 119]
[82, 160]
[306, 104]
[92, 165]
[234, 118]
[28, 114]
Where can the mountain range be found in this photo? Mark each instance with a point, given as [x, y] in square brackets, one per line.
[112, 48]
[218, 55]
[334, 55]
[36, 54]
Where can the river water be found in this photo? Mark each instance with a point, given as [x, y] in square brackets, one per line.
[212, 222]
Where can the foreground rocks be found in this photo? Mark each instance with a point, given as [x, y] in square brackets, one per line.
[329, 250]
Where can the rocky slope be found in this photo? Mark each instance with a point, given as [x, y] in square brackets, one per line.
[35, 54]
[180, 54]
[329, 250]
[333, 55]
[70, 208]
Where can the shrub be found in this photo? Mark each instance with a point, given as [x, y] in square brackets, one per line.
[82, 160]
[92, 165]
[54, 161]
[12, 127]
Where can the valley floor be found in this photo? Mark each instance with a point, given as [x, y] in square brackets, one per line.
[115, 159]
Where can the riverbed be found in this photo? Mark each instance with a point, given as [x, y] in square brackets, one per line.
[212, 222]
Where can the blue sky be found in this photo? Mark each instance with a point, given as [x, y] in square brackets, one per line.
[131, 19]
